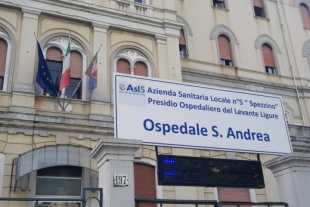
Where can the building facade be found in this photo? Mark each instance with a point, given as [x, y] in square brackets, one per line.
[249, 45]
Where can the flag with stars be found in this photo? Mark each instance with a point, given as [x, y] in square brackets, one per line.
[44, 78]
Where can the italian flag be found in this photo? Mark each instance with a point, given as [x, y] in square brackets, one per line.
[65, 77]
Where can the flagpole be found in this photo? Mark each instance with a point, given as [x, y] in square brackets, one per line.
[63, 91]
[58, 98]
[76, 88]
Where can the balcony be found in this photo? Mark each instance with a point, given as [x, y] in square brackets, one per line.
[145, 8]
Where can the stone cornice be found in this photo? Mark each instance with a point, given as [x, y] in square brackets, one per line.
[295, 160]
[300, 137]
[218, 80]
[77, 10]
[31, 13]
[43, 125]
[100, 27]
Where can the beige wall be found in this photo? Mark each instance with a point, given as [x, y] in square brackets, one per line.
[166, 64]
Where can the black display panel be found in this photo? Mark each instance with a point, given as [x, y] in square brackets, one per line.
[209, 172]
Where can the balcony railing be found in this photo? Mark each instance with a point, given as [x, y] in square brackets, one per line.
[123, 6]
[144, 9]
[140, 10]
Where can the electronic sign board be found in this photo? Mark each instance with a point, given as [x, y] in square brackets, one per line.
[209, 172]
[167, 113]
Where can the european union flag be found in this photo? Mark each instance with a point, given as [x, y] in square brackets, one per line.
[44, 78]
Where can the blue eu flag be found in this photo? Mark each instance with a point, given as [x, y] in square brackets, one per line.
[44, 78]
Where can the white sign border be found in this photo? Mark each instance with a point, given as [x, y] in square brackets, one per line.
[197, 86]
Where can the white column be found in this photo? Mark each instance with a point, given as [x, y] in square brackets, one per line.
[100, 100]
[292, 172]
[115, 156]
[23, 90]
[2, 162]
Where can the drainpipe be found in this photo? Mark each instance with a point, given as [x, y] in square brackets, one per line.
[290, 60]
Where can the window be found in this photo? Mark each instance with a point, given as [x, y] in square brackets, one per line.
[234, 194]
[140, 69]
[3, 55]
[132, 62]
[219, 3]
[145, 183]
[123, 66]
[259, 8]
[59, 181]
[225, 51]
[304, 10]
[54, 64]
[76, 70]
[55, 68]
[139, 1]
[268, 59]
[182, 45]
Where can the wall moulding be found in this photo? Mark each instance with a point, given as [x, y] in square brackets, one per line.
[15, 123]
[80, 11]
[202, 77]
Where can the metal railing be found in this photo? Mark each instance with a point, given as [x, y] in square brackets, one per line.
[207, 202]
[83, 200]
[174, 201]
[240, 204]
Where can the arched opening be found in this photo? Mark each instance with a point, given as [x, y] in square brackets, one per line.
[225, 50]
[76, 70]
[141, 69]
[270, 66]
[304, 10]
[3, 55]
[123, 66]
[54, 64]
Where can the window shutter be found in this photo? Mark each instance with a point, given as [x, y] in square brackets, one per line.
[123, 66]
[268, 56]
[224, 47]
[3, 53]
[258, 3]
[234, 194]
[54, 53]
[305, 15]
[145, 184]
[141, 69]
[182, 38]
[76, 64]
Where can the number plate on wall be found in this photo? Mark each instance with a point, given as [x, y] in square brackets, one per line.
[120, 180]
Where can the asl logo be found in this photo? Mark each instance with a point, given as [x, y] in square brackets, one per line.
[135, 89]
[122, 86]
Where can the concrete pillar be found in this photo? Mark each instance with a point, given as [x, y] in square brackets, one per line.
[23, 90]
[2, 163]
[292, 172]
[174, 64]
[100, 100]
[115, 156]
[161, 41]
[172, 30]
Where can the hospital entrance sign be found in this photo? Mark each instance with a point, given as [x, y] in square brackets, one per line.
[167, 113]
